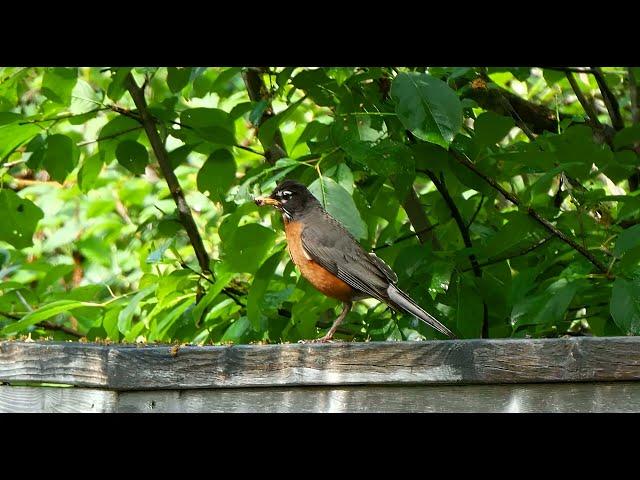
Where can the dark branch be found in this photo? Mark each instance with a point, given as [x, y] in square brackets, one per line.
[633, 95]
[609, 99]
[257, 91]
[475, 214]
[184, 212]
[515, 255]
[588, 108]
[62, 328]
[464, 233]
[47, 325]
[404, 237]
[461, 158]
[108, 137]
[538, 117]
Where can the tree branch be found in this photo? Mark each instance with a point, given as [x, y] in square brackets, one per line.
[461, 158]
[588, 108]
[419, 220]
[48, 325]
[464, 233]
[403, 238]
[257, 91]
[475, 214]
[538, 117]
[609, 99]
[515, 255]
[633, 95]
[184, 212]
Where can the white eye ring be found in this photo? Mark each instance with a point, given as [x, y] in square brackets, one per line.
[285, 193]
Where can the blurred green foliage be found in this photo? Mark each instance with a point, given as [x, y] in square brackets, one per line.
[91, 244]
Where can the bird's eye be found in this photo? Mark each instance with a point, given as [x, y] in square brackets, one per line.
[285, 194]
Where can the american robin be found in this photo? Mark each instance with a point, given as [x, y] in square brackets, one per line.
[332, 260]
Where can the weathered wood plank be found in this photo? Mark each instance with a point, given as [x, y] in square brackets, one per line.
[56, 400]
[518, 398]
[80, 364]
[410, 363]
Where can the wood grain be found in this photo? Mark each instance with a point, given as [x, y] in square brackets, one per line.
[518, 398]
[127, 367]
[56, 400]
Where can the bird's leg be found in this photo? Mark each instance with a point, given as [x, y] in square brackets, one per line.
[336, 323]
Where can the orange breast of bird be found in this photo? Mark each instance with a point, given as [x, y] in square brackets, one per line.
[321, 279]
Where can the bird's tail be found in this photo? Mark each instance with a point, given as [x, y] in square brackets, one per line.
[405, 303]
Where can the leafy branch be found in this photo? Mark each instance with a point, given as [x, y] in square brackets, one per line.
[464, 233]
[462, 159]
[184, 212]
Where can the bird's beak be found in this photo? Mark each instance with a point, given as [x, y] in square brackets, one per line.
[261, 201]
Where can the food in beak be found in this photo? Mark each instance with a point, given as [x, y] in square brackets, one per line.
[261, 201]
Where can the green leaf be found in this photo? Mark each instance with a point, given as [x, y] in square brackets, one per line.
[625, 304]
[178, 78]
[115, 131]
[627, 239]
[45, 312]
[83, 98]
[490, 128]
[211, 124]
[217, 174]
[158, 254]
[60, 157]
[116, 88]
[468, 312]
[133, 156]
[126, 314]
[258, 288]
[58, 83]
[90, 171]
[222, 280]
[340, 205]
[247, 246]
[256, 113]
[237, 331]
[12, 135]
[19, 219]
[427, 107]
[627, 136]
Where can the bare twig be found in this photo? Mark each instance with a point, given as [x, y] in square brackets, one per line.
[461, 158]
[184, 212]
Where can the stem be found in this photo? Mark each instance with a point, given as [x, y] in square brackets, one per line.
[184, 212]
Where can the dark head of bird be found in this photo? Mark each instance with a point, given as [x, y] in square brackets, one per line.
[290, 197]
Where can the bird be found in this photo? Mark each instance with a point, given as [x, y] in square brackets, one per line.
[333, 261]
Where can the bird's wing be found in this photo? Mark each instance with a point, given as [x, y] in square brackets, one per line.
[331, 246]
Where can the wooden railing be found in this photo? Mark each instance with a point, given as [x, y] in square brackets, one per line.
[569, 374]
